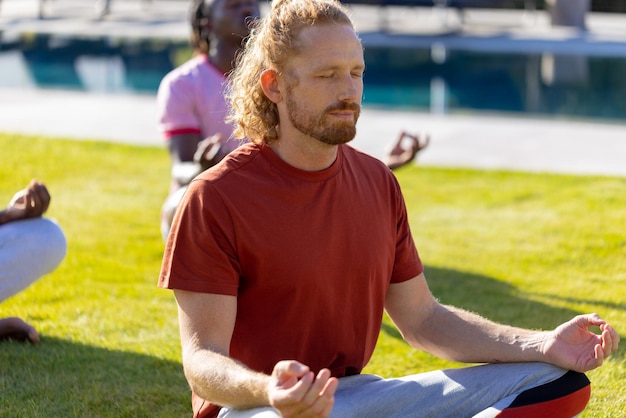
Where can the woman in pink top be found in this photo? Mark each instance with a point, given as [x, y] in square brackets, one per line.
[190, 100]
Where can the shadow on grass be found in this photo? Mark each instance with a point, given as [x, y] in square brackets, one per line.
[494, 299]
[600, 303]
[491, 298]
[500, 302]
[59, 378]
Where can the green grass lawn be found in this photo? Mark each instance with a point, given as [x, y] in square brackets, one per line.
[532, 250]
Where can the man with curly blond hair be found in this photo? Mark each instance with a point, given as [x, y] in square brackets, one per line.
[191, 105]
[284, 256]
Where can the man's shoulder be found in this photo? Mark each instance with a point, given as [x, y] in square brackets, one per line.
[239, 159]
[368, 161]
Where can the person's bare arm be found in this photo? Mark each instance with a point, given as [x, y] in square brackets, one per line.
[182, 148]
[206, 326]
[459, 335]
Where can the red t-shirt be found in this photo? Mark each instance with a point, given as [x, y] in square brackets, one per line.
[309, 255]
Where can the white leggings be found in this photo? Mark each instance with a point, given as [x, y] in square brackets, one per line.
[479, 391]
[29, 249]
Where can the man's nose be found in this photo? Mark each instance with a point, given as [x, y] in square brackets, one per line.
[351, 89]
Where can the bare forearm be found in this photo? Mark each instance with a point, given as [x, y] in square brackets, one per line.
[6, 216]
[3, 217]
[460, 335]
[226, 382]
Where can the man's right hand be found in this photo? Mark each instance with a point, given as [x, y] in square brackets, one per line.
[296, 392]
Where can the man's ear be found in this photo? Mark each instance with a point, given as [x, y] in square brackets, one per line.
[270, 85]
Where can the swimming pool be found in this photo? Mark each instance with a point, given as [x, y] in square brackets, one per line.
[431, 79]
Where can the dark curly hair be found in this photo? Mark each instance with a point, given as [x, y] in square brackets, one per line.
[199, 14]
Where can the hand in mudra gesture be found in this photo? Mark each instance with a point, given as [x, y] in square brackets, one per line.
[208, 152]
[32, 202]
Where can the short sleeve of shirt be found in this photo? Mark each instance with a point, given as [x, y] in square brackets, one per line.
[407, 261]
[175, 105]
[203, 233]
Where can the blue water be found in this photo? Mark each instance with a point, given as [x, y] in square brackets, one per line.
[425, 79]
[103, 65]
[576, 86]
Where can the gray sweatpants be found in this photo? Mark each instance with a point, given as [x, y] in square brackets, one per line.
[29, 249]
[478, 391]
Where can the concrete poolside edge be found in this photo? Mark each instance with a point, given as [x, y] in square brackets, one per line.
[476, 141]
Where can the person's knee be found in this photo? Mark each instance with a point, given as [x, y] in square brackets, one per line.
[566, 396]
[31, 248]
[55, 242]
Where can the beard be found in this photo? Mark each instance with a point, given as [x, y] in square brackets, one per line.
[320, 126]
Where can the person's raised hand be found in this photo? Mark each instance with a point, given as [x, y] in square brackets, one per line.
[32, 202]
[297, 392]
[405, 149]
[573, 346]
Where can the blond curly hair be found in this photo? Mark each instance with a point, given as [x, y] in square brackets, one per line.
[269, 45]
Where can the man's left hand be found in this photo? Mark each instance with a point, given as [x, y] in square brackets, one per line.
[573, 346]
